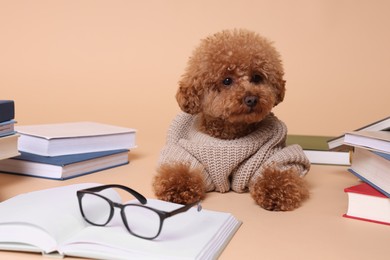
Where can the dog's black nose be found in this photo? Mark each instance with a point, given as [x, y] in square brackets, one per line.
[251, 101]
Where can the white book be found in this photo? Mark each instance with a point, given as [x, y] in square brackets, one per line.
[49, 221]
[328, 157]
[74, 138]
[337, 143]
[372, 140]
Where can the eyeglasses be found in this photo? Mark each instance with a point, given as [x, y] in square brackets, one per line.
[140, 220]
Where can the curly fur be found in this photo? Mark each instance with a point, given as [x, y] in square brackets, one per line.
[279, 190]
[232, 81]
[179, 184]
[221, 56]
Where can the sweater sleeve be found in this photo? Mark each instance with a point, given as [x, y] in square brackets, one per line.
[174, 152]
[273, 152]
[289, 157]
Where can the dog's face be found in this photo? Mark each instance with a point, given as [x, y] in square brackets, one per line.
[236, 76]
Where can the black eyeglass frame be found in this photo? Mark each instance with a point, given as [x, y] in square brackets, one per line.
[162, 214]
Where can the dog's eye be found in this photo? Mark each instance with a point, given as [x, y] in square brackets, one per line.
[256, 79]
[227, 81]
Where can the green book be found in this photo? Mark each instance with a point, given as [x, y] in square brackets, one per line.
[310, 142]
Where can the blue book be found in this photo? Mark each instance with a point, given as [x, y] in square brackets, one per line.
[373, 168]
[7, 110]
[367, 181]
[7, 128]
[65, 166]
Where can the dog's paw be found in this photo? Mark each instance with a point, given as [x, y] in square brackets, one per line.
[279, 190]
[179, 184]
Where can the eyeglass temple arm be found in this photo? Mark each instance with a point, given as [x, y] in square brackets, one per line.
[185, 208]
[137, 195]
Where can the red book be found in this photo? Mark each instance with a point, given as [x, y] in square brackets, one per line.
[368, 204]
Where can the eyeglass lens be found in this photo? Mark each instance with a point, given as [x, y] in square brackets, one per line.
[141, 221]
[96, 209]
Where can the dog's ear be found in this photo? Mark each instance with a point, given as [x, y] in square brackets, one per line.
[189, 95]
[280, 91]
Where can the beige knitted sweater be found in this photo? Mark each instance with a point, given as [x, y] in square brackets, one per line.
[231, 164]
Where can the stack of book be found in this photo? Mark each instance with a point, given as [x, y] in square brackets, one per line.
[8, 135]
[371, 164]
[66, 150]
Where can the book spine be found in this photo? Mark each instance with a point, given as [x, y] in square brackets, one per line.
[7, 110]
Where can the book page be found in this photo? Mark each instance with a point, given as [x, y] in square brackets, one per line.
[42, 218]
[191, 234]
[50, 220]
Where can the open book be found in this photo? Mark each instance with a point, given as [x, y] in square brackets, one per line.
[49, 221]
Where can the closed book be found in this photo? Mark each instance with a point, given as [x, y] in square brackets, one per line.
[54, 225]
[337, 143]
[373, 140]
[74, 138]
[372, 167]
[368, 204]
[65, 166]
[317, 151]
[7, 128]
[7, 110]
[9, 146]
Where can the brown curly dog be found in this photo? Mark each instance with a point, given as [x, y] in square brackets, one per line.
[226, 137]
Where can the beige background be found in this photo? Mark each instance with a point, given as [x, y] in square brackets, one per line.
[119, 62]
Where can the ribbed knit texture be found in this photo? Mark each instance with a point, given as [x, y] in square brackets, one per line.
[232, 164]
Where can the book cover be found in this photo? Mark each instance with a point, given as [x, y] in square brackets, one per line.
[9, 146]
[317, 151]
[7, 110]
[337, 143]
[74, 138]
[368, 204]
[55, 225]
[65, 166]
[373, 140]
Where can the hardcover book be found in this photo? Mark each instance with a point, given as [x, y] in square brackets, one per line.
[54, 225]
[373, 140]
[337, 143]
[373, 168]
[7, 110]
[366, 203]
[74, 138]
[317, 151]
[65, 166]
